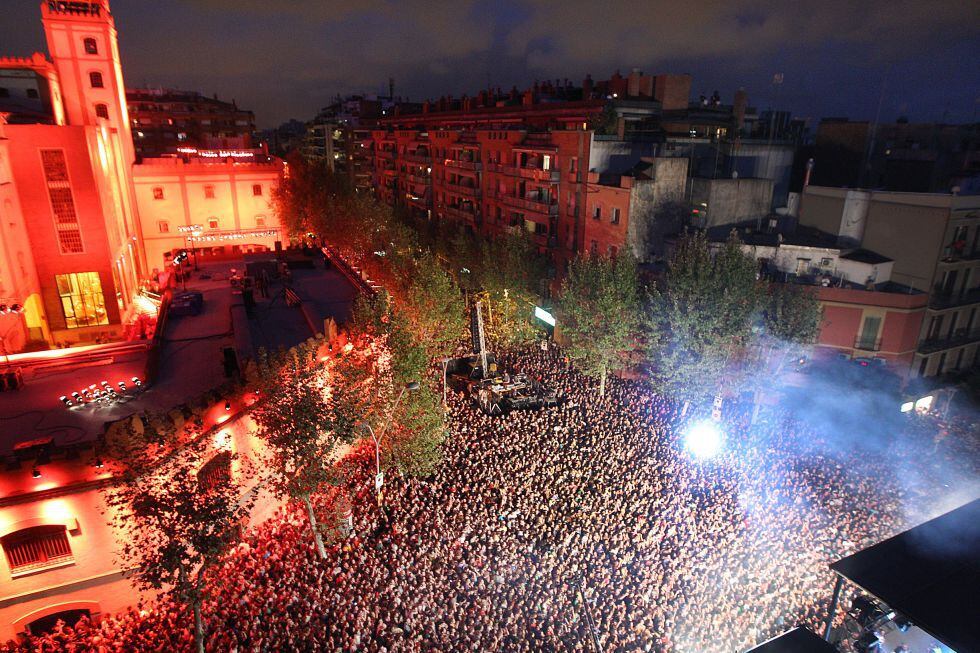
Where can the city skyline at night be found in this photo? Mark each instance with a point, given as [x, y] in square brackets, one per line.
[286, 62]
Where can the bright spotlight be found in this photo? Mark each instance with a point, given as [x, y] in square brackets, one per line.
[703, 440]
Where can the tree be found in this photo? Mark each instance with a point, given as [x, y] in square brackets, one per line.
[302, 423]
[792, 315]
[434, 307]
[600, 313]
[306, 198]
[418, 433]
[510, 271]
[703, 317]
[178, 505]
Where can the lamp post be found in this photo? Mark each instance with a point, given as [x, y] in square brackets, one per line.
[378, 478]
[445, 372]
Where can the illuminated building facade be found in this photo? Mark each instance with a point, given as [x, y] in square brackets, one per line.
[165, 119]
[73, 243]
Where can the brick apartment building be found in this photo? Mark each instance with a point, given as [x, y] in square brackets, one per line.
[166, 119]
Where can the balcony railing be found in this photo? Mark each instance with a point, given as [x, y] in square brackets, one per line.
[867, 344]
[542, 207]
[385, 154]
[941, 300]
[418, 178]
[415, 157]
[527, 173]
[459, 164]
[959, 338]
[462, 214]
[460, 189]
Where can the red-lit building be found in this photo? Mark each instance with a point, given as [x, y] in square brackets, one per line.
[72, 234]
[532, 162]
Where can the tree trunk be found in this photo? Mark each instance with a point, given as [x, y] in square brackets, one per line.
[198, 627]
[316, 531]
[602, 382]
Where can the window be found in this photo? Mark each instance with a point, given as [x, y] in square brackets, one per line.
[594, 247]
[212, 223]
[91, 47]
[615, 216]
[62, 202]
[257, 190]
[4, 92]
[32, 93]
[596, 212]
[81, 299]
[260, 221]
[102, 110]
[163, 226]
[95, 80]
[868, 340]
[209, 192]
[37, 547]
[215, 472]
[157, 192]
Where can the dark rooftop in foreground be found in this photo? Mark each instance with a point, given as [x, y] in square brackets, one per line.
[866, 256]
[930, 574]
[798, 640]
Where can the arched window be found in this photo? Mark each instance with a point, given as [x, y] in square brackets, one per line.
[102, 110]
[37, 547]
[95, 79]
[91, 47]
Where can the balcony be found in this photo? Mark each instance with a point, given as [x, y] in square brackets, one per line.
[462, 214]
[537, 174]
[385, 154]
[543, 206]
[959, 338]
[459, 164]
[465, 191]
[867, 344]
[418, 178]
[419, 201]
[422, 158]
[941, 300]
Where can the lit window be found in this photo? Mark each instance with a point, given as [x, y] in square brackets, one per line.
[95, 80]
[81, 299]
[181, 136]
[140, 134]
[91, 47]
[257, 190]
[163, 226]
[212, 223]
[260, 221]
[157, 193]
[615, 216]
[102, 110]
[36, 548]
[62, 201]
[209, 192]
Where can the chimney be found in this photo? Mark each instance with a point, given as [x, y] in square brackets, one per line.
[739, 105]
[587, 87]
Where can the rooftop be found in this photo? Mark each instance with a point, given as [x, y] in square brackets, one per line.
[929, 574]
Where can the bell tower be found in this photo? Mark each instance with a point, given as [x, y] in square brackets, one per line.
[81, 36]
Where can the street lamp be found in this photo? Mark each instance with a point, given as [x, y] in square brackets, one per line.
[378, 477]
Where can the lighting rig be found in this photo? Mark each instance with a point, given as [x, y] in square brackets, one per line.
[103, 393]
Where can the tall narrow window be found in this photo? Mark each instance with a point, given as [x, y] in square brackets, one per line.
[81, 299]
[209, 192]
[615, 216]
[158, 192]
[36, 548]
[868, 340]
[102, 110]
[95, 79]
[62, 201]
[91, 47]
[257, 190]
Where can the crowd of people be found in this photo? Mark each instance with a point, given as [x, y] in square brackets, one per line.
[585, 527]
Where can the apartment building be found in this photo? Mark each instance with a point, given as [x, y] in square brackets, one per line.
[164, 120]
[934, 241]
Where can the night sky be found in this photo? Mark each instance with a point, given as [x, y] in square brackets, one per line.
[286, 58]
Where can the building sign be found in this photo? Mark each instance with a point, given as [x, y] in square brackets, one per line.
[235, 235]
[189, 228]
[221, 154]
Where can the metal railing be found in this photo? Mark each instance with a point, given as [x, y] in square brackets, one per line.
[867, 344]
[941, 299]
[959, 338]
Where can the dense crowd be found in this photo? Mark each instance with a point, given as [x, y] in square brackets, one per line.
[578, 528]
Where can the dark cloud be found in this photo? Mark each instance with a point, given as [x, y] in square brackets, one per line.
[286, 58]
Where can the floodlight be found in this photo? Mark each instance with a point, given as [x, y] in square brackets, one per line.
[703, 440]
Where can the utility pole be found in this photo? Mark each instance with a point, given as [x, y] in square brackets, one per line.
[588, 617]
